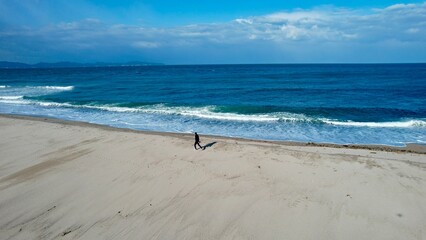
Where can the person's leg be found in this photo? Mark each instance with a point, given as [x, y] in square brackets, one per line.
[195, 146]
[199, 145]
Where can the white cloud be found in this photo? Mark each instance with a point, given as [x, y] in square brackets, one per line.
[326, 26]
[331, 24]
[299, 16]
[401, 6]
[145, 44]
[336, 24]
[413, 30]
[243, 21]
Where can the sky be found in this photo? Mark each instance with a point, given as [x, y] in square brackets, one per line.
[213, 32]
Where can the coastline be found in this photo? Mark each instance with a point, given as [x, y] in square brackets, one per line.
[409, 148]
[72, 180]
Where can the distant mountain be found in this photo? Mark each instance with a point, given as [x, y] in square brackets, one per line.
[5, 64]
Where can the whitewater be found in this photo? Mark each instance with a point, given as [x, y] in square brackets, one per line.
[344, 104]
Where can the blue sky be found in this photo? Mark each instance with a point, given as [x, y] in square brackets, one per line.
[205, 32]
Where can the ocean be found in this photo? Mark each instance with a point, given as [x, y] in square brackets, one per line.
[328, 103]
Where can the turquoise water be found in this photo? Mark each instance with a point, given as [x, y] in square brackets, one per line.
[360, 104]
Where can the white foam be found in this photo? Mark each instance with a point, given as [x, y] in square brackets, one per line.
[3, 86]
[399, 124]
[208, 113]
[231, 116]
[112, 108]
[21, 101]
[54, 104]
[62, 88]
[10, 97]
[9, 92]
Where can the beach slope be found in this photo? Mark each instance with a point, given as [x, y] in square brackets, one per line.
[65, 180]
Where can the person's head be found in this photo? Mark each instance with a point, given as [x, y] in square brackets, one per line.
[195, 133]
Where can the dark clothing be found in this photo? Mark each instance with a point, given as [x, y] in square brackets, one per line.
[197, 141]
[195, 145]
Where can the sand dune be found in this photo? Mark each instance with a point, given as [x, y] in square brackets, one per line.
[62, 180]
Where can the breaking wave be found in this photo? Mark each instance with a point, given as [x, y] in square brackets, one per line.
[213, 113]
[62, 88]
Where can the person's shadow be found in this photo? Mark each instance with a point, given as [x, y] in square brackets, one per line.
[208, 145]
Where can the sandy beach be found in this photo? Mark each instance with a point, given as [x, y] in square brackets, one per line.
[69, 180]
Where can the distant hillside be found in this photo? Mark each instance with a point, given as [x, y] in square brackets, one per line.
[5, 64]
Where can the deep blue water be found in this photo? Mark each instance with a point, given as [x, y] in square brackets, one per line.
[361, 104]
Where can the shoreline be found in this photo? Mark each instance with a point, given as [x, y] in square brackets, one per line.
[409, 148]
[72, 180]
